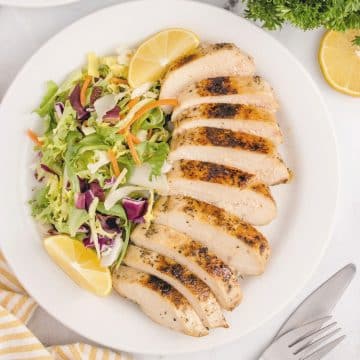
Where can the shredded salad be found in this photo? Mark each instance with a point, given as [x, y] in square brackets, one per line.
[102, 147]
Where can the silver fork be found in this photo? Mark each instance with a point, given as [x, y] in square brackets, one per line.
[306, 342]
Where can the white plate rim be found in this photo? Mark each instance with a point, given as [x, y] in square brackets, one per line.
[336, 180]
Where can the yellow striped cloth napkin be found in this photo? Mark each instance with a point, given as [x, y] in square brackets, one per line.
[17, 342]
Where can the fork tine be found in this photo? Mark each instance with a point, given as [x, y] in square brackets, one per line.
[316, 344]
[320, 353]
[302, 343]
[293, 336]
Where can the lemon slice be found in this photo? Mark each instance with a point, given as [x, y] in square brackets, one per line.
[80, 263]
[339, 59]
[154, 55]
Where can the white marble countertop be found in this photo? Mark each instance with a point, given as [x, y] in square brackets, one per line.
[22, 31]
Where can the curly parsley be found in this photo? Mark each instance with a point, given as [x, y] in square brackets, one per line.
[337, 15]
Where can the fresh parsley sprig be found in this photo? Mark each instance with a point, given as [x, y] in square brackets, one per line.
[337, 15]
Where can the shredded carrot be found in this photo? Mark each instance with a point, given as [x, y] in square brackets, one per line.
[114, 162]
[133, 151]
[34, 138]
[146, 108]
[134, 139]
[133, 102]
[118, 81]
[84, 87]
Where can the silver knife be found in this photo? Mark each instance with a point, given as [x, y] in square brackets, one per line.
[321, 301]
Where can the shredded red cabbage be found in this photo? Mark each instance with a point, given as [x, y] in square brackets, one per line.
[80, 201]
[84, 229]
[74, 97]
[95, 94]
[84, 185]
[97, 190]
[113, 113]
[104, 242]
[135, 209]
[47, 169]
[109, 223]
[89, 197]
[108, 183]
[59, 108]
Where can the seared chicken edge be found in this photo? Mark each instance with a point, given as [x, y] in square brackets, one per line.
[158, 300]
[195, 291]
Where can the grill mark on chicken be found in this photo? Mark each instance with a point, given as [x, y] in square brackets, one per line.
[224, 186]
[159, 300]
[228, 138]
[229, 85]
[183, 61]
[220, 110]
[227, 111]
[208, 136]
[165, 289]
[223, 45]
[201, 51]
[160, 286]
[205, 258]
[221, 85]
[214, 173]
[230, 223]
[248, 119]
[172, 268]
[249, 90]
[262, 189]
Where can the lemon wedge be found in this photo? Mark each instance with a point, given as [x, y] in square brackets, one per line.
[339, 59]
[154, 55]
[80, 263]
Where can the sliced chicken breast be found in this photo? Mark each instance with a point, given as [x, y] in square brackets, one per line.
[194, 255]
[182, 279]
[247, 90]
[236, 117]
[236, 243]
[250, 153]
[209, 60]
[158, 300]
[228, 188]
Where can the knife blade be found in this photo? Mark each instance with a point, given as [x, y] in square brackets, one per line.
[321, 301]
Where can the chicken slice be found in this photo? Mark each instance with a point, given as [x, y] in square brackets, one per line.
[236, 243]
[250, 153]
[247, 90]
[236, 117]
[213, 60]
[183, 280]
[158, 300]
[228, 188]
[195, 256]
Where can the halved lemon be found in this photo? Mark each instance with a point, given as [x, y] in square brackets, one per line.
[154, 55]
[80, 263]
[339, 59]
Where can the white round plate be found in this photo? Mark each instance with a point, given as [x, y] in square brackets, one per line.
[298, 236]
[35, 3]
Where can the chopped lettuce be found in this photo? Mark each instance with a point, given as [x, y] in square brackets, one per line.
[77, 217]
[155, 155]
[73, 162]
[48, 100]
